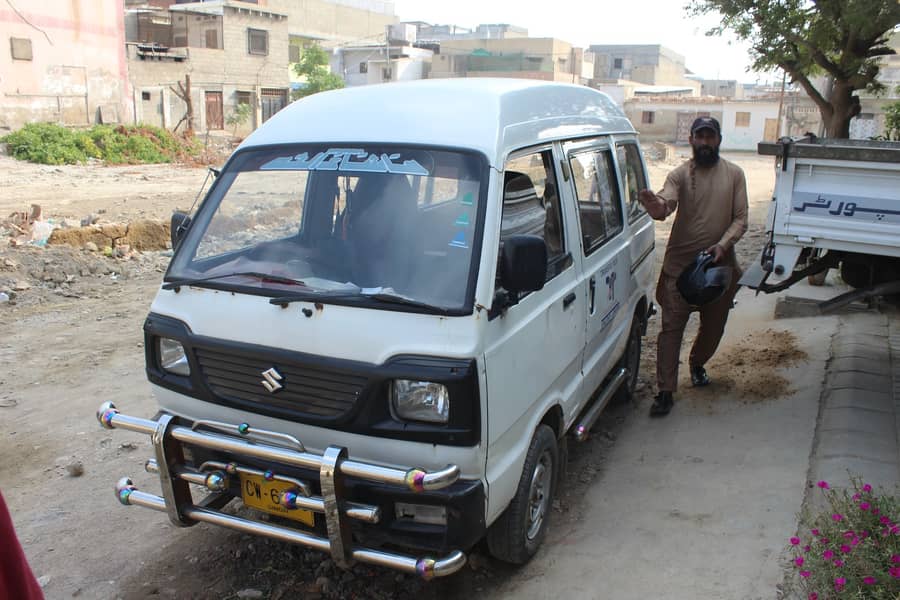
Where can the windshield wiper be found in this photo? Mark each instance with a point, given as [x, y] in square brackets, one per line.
[394, 298]
[262, 276]
[380, 296]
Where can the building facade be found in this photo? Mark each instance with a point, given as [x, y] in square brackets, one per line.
[234, 54]
[547, 59]
[63, 61]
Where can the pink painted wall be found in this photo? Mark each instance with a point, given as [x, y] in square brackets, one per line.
[78, 70]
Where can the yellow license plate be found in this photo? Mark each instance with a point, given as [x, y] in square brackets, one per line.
[264, 495]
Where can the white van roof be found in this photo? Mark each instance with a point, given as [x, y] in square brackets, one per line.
[492, 116]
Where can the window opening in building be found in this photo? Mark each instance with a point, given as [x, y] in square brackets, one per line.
[742, 119]
[648, 117]
[257, 41]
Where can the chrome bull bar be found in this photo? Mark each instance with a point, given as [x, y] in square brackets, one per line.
[333, 466]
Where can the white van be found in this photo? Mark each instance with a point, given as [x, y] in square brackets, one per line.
[390, 309]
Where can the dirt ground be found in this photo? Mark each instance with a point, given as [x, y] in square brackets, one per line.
[71, 338]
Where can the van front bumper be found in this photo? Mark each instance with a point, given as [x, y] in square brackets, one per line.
[351, 501]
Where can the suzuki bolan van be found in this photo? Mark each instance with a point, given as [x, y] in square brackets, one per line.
[391, 310]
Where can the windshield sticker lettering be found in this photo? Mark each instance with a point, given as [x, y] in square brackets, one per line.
[459, 241]
[468, 199]
[346, 159]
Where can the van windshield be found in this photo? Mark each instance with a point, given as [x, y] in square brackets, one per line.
[355, 223]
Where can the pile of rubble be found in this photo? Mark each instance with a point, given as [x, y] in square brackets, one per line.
[112, 239]
[74, 258]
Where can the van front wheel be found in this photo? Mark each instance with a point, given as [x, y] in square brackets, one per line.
[517, 534]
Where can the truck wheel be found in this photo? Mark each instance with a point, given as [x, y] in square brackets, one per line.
[631, 361]
[517, 534]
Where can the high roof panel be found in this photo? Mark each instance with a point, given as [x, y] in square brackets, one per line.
[489, 115]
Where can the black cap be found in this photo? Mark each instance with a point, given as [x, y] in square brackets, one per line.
[705, 123]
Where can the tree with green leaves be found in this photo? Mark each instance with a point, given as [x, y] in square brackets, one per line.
[842, 39]
[892, 120]
[313, 66]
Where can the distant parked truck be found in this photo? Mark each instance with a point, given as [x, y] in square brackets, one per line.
[836, 205]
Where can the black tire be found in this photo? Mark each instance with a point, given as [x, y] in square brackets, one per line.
[517, 534]
[631, 361]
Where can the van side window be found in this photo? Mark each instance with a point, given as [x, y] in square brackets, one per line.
[531, 206]
[629, 158]
[597, 192]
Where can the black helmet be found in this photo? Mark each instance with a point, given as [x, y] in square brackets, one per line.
[702, 282]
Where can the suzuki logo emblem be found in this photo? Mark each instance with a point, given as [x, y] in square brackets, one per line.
[271, 377]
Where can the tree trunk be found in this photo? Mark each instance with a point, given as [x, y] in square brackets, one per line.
[845, 106]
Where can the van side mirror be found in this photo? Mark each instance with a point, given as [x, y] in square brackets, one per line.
[523, 263]
[179, 225]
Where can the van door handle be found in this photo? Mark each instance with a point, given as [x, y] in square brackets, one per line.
[592, 284]
[568, 300]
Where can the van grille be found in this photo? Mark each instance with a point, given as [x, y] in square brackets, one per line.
[312, 391]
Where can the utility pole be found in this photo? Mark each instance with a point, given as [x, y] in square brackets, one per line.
[780, 106]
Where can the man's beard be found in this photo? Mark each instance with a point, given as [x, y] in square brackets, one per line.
[706, 156]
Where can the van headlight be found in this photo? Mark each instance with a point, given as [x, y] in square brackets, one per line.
[172, 357]
[420, 401]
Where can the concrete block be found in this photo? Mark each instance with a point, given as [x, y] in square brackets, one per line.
[842, 349]
[877, 365]
[861, 381]
[858, 420]
[851, 444]
[837, 470]
[851, 398]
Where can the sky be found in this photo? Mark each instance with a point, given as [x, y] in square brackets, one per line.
[583, 23]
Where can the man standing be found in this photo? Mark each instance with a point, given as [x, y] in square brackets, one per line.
[710, 195]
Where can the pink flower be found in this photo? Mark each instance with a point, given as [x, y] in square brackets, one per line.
[827, 554]
[895, 529]
[864, 506]
[895, 572]
[864, 534]
[867, 488]
[824, 540]
[875, 511]
[838, 563]
[869, 580]
[839, 583]
[795, 541]
[895, 558]
[813, 596]
[856, 496]
[798, 561]
[815, 532]
[854, 541]
[845, 549]
[805, 573]
[848, 535]
[837, 517]
[807, 548]
[823, 485]
[885, 521]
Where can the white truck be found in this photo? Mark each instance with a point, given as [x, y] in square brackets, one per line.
[836, 204]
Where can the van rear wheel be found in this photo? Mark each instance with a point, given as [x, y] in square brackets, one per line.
[517, 534]
[631, 362]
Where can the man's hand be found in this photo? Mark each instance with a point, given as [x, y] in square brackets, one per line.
[718, 253]
[656, 206]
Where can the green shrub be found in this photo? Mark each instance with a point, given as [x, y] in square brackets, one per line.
[52, 144]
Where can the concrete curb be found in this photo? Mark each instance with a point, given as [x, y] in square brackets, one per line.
[858, 429]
